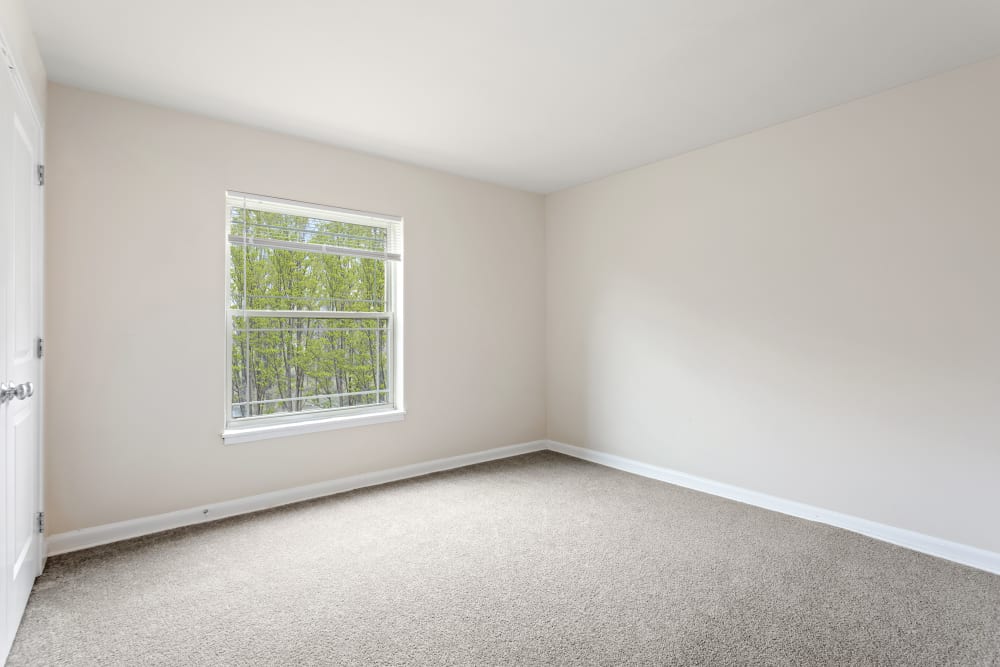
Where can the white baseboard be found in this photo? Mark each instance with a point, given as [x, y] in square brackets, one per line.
[953, 551]
[123, 530]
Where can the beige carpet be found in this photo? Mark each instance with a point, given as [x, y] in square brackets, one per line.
[539, 559]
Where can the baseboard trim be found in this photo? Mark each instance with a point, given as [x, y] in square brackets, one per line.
[113, 532]
[934, 546]
[86, 538]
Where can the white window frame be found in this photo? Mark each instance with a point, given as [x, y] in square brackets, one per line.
[248, 429]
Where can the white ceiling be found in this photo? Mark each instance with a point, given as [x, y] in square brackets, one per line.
[535, 94]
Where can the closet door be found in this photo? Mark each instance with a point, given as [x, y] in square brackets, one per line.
[20, 319]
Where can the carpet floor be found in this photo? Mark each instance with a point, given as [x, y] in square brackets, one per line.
[538, 559]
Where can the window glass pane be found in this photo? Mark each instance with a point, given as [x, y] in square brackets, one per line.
[286, 365]
[278, 279]
[266, 225]
[293, 272]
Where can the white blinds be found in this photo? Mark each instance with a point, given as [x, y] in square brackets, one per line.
[312, 308]
[315, 228]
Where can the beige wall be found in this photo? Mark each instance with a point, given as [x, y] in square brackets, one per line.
[810, 311]
[17, 32]
[135, 296]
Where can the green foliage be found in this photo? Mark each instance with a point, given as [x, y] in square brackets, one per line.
[304, 362]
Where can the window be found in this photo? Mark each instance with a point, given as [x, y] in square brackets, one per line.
[313, 317]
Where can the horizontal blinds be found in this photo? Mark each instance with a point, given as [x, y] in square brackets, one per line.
[311, 307]
[313, 228]
[321, 314]
[322, 248]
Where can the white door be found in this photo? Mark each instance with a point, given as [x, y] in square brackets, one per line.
[20, 321]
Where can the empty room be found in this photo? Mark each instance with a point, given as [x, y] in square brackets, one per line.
[500, 333]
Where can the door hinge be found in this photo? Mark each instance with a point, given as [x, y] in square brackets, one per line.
[40, 348]
[41, 522]
[41, 174]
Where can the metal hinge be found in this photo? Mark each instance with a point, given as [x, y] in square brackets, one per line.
[41, 174]
[41, 522]
[40, 348]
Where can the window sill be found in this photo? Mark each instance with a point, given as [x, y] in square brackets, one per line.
[250, 434]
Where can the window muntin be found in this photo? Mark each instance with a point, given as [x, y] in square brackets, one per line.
[312, 321]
